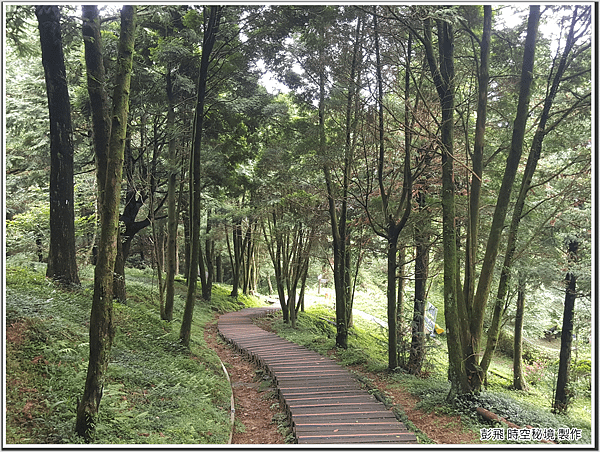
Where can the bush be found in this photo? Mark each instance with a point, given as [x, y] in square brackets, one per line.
[531, 353]
[535, 373]
[156, 390]
[25, 228]
[581, 377]
[518, 412]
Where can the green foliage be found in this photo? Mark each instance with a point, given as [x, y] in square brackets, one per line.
[367, 347]
[315, 329]
[157, 391]
[260, 152]
[531, 352]
[581, 378]
[519, 412]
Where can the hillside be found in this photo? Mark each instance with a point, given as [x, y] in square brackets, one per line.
[161, 393]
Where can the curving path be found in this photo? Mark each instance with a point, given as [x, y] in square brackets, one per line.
[324, 401]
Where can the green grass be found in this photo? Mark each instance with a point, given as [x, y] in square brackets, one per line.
[368, 347]
[157, 392]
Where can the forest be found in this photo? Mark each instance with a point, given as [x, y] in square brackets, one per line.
[411, 184]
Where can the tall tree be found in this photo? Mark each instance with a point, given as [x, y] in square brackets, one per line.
[454, 310]
[338, 210]
[563, 395]
[167, 311]
[464, 318]
[483, 79]
[96, 80]
[394, 214]
[417, 346]
[519, 376]
[475, 373]
[62, 264]
[208, 42]
[101, 322]
[554, 79]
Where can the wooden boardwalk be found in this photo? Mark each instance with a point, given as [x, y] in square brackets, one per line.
[324, 401]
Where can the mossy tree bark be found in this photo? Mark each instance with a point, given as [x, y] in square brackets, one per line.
[475, 372]
[62, 264]
[394, 218]
[417, 347]
[518, 376]
[563, 394]
[443, 76]
[101, 325]
[210, 35]
[532, 161]
[96, 80]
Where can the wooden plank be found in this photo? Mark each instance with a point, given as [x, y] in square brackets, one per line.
[309, 429]
[334, 398]
[341, 409]
[357, 416]
[358, 439]
[325, 402]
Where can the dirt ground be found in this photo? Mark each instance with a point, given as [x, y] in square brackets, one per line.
[255, 408]
[255, 405]
[442, 429]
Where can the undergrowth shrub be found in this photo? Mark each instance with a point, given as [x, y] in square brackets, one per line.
[581, 375]
[156, 391]
[518, 412]
[531, 353]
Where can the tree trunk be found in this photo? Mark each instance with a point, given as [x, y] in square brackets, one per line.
[519, 378]
[209, 253]
[133, 204]
[407, 147]
[532, 160]
[247, 255]
[454, 312]
[186, 236]
[303, 286]
[393, 225]
[96, 79]
[62, 263]
[392, 256]
[476, 180]
[205, 261]
[475, 373]
[167, 313]
[417, 347]
[338, 231]
[338, 216]
[158, 248]
[101, 326]
[119, 289]
[279, 274]
[236, 262]
[219, 264]
[563, 395]
[400, 330]
[275, 246]
[195, 165]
